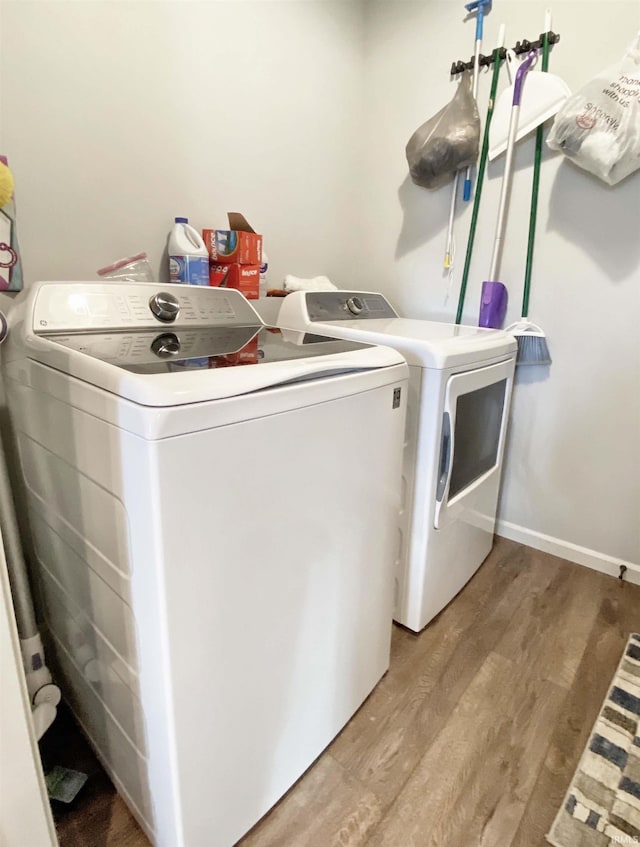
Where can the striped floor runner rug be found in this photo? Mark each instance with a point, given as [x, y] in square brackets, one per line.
[602, 806]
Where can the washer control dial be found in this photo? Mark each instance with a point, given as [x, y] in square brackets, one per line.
[164, 306]
[355, 305]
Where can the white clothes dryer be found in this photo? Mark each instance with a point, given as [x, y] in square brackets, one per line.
[214, 541]
[459, 394]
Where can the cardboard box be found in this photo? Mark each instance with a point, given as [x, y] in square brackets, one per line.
[244, 278]
[239, 244]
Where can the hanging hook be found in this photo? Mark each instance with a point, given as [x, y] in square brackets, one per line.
[524, 46]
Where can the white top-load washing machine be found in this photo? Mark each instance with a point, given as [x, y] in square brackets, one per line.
[213, 511]
[459, 394]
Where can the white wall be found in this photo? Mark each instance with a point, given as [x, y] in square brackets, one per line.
[120, 115]
[573, 468]
[117, 116]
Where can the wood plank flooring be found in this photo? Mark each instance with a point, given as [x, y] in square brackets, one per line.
[470, 740]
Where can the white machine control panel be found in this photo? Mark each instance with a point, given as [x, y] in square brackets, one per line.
[69, 306]
[347, 306]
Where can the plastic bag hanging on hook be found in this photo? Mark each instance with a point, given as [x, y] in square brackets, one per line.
[599, 127]
[447, 142]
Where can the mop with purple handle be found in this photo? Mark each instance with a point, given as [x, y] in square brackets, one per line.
[494, 298]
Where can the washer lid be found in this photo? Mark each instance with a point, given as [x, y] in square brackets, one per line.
[189, 365]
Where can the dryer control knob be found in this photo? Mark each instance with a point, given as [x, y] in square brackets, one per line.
[164, 306]
[355, 305]
[166, 345]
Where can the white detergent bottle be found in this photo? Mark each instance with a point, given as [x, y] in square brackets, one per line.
[264, 267]
[188, 255]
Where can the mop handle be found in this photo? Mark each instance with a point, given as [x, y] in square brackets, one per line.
[533, 215]
[452, 211]
[508, 166]
[466, 191]
[479, 7]
[480, 180]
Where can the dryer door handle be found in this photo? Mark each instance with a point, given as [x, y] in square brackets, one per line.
[446, 450]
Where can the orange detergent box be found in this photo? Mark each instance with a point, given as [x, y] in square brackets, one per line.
[245, 278]
[239, 245]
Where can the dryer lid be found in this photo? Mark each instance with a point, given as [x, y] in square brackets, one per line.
[368, 317]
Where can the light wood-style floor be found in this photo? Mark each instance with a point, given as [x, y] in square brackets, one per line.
[471, 738]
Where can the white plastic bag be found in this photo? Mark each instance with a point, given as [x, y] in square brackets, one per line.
[599, 127]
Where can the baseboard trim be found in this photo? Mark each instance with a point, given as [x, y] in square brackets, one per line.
[565, 550]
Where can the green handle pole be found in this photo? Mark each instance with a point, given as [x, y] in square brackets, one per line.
[479, 181]
[533, 214]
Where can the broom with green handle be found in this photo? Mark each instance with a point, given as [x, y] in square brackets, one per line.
[532, 342]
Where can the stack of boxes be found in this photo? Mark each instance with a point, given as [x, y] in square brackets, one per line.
[235, 256]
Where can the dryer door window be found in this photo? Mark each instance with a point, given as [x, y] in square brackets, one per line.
[477, 434]
[472, 436]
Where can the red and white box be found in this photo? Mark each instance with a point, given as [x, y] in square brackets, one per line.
[244, 278]
[238, 245]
